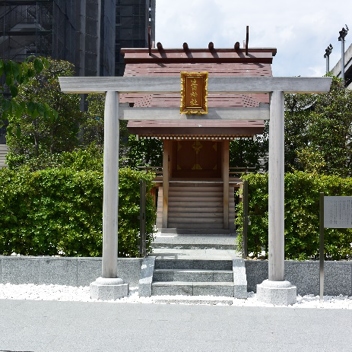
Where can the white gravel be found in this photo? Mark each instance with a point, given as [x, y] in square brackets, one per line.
[70, 293]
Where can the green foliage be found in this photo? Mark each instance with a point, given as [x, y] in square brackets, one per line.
[50, 122]
[129, 201]
[144, 152]
[250, 152]
[15, 74]
[90, 159]
[298, 108]
[92, 127]
[318, 131]
[302, 192]
[133, 152]
[59, 211]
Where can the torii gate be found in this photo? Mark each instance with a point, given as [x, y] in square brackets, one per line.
[274, 290]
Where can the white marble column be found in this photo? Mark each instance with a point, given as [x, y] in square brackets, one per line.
[276, 290]
[111, 192]
[109, 286]
[276, 188]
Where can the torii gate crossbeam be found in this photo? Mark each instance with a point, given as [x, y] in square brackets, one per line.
[274, 290]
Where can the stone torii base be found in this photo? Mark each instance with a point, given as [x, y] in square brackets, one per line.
[281, 293]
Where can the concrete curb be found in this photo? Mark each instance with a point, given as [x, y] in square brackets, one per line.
[239, 278]
[145, 282]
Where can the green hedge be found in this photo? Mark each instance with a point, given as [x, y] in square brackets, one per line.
[58, 211]
[302, 192]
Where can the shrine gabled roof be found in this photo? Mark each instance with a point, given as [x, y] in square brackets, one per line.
[217, 62]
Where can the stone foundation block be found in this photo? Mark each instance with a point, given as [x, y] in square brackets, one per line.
[107, 289]
[281, 293]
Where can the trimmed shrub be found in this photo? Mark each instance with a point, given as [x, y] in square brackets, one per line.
[59, 212]
[302, 192]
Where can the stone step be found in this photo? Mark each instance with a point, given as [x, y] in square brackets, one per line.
[189, 275]
[190, 204]
[191, 215]
[183, 209]
[172, 288]
[182, 192]
[196, 199]
[193, 264]
[198, 300]
[199, 224]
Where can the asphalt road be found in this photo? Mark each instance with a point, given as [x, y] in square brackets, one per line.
[53, 326]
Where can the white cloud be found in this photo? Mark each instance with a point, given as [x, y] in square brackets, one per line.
[300, 31]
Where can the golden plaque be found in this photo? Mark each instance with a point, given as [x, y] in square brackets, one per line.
[194, 93]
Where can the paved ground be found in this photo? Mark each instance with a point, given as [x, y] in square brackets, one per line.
[52, 326]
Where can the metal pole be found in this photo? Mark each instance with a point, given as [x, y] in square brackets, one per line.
[321, 247]
[142, 218]
[341, 39]
[343, 60]
[245, 220]
[328, 51]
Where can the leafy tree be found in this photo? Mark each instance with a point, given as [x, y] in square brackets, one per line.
[34, 133]
[144, 152]
[318, 131]
[133, 152]
[298, 107]
[250, 152]
[12, 74]
[92, 127]
[330, 130]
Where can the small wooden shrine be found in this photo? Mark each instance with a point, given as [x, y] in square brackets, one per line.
[195, 192]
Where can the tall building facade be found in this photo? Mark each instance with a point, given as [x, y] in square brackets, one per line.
[135, 19]
[88, 33]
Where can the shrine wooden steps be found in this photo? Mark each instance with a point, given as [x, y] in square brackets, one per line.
[197, 206]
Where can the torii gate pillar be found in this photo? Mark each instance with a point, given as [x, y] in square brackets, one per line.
[276, 289]
[109, 286]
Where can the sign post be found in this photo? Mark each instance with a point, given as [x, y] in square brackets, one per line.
[335, 213]
[321, 248]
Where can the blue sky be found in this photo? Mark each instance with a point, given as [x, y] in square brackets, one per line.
[300, 30]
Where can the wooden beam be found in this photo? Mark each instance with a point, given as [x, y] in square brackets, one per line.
[83, 85]
[260, 113]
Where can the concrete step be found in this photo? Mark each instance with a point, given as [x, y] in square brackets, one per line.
[172, 288]
[189, 275]
[198, 300]
[193, 264]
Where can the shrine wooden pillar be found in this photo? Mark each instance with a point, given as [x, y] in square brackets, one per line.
[225, 160]
[167, 154]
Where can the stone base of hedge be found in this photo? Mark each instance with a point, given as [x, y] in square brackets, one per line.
[63, 271]
[83, 271]
[305, 275]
